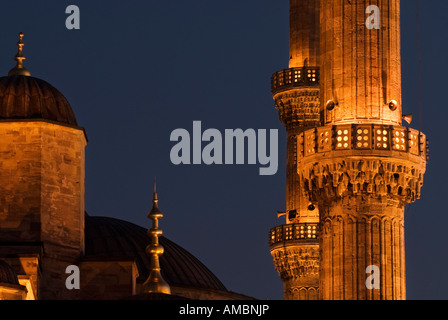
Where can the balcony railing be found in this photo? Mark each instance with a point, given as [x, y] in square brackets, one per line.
[293, 232]
[294, 77]
[362, 137]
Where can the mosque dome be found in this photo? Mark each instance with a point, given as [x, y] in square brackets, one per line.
[26, 97]
[7, 274]
[110, 238]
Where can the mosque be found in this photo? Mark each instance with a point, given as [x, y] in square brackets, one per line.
[43, 224]
[352, 166]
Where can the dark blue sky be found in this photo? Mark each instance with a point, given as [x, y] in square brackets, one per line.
[137, 70]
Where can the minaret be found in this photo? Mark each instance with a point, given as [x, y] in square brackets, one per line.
[295, 245]
[371, 166]
[155, 282]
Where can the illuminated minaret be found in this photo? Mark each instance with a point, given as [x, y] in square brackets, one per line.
[295, 245]
[362, 166]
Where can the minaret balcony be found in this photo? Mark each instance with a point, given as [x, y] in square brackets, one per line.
[291, 78]
[294, 233]
[363, 140]
[376, 160]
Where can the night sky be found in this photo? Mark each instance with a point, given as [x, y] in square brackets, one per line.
[137, 70]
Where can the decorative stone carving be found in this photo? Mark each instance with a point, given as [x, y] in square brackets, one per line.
[302, 293]
[299, 107]
[298, 267]
[328, 180]
[296, 262]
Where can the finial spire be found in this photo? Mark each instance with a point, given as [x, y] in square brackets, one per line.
[19, 69]
[155, 282]
[155, 189]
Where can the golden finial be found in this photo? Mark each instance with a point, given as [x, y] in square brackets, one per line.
[155, 283]
[19, 69]
[155, 184]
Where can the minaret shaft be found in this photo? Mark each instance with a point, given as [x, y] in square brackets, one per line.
[361, 67]
[296, 95]
[295, 246]
[352, 241]
[304, 33]
[362, 166]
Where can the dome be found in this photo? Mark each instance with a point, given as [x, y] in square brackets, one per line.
[26, 97]
[110, 237]
[7, 275]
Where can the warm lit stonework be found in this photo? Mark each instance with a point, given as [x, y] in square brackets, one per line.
[45, 230]
[358, 164]
[296, 95]
[42, 180]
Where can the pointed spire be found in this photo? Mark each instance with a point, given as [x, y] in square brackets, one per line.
[155, 282]
[155, 204]
[19, 69]
[155, 190]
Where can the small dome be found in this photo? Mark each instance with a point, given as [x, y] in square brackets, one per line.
[7, 275]
[25, 97]
[109, 237]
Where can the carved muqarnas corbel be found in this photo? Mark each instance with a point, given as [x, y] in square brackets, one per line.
[299, 107]
[337, 178]
[295, 262]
